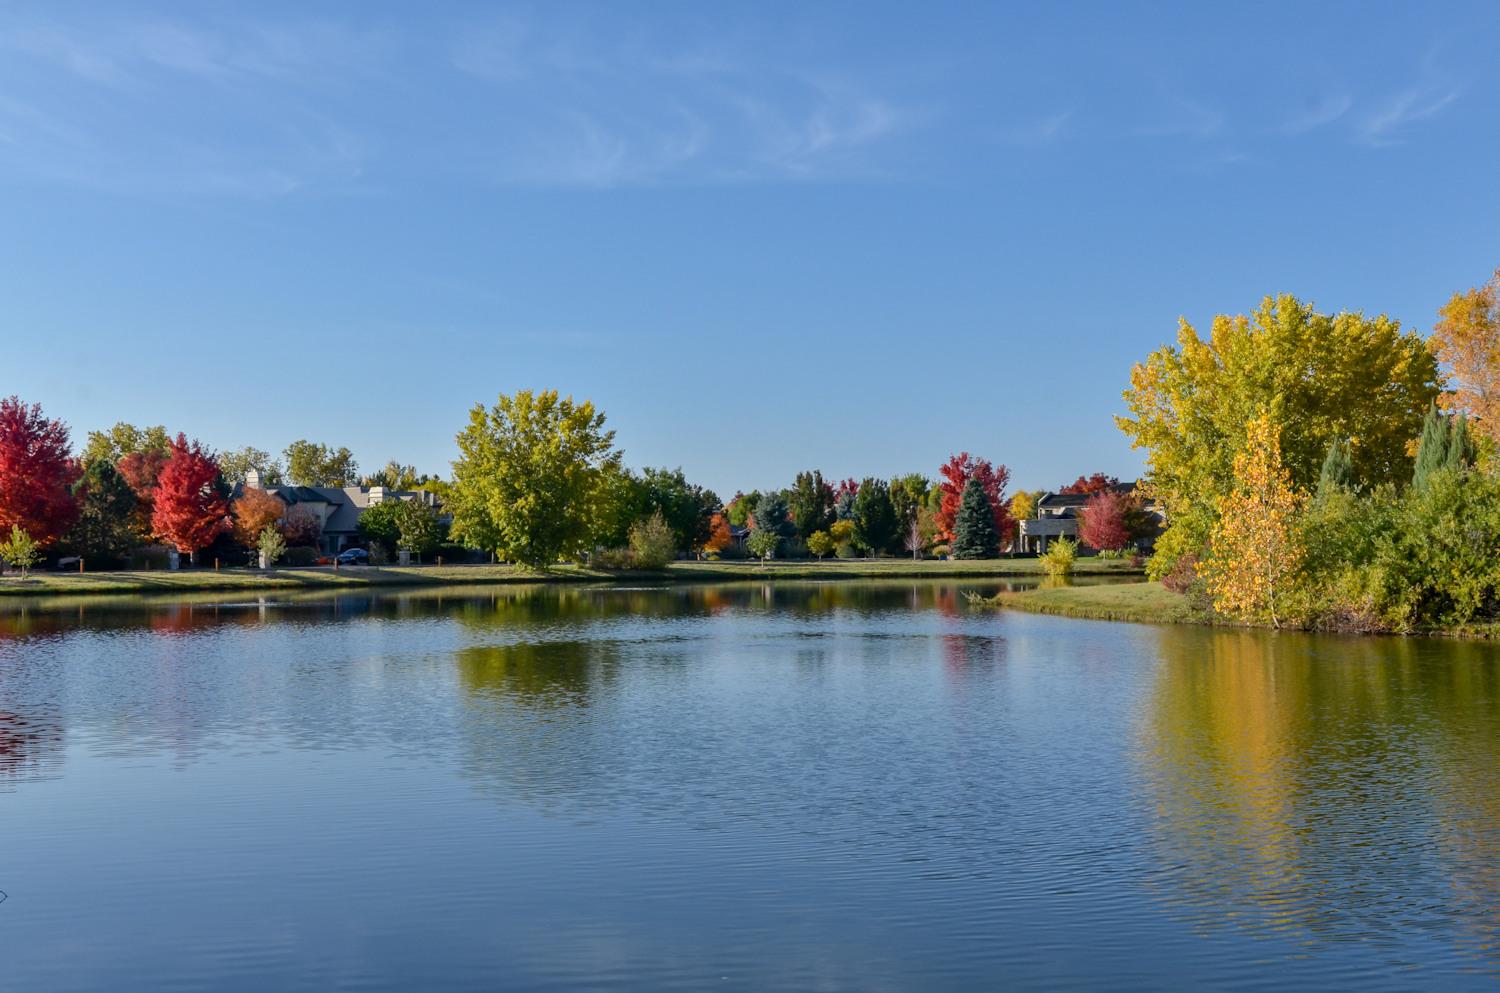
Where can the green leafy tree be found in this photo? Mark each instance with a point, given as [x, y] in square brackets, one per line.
[687, 508]
[529, 476]
[1319, 377]
[810, 501]
[875, 524]
[104, 531]
[309, 464]
[974, 534]
[908, 496]
[741, 507]
[235, 466]
[821, 544]
[418, 529]
[20, 550]
[124, 439]
[762, 544]
[379, 525]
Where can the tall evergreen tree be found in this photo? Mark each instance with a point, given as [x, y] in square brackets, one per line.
[106, 503]
[874, 517]
[1446, 444]
[771, 515]
[1338, 469]
[974, 534]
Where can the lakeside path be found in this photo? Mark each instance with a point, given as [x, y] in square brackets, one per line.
[359, 577]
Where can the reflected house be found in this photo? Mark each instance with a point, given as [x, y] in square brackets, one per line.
[338, 508]
[1057, 516]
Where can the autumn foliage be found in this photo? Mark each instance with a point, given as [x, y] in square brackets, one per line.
[1107, 519]
[1467, 339]
[189, 512]
[140, 470]
[1097, 483]
[956, 473]
[1256, 548]
[254, 511]
[719, 535]
[37, 473]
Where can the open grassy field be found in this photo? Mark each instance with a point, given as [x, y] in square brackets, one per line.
[326, 578]
[1139, 602]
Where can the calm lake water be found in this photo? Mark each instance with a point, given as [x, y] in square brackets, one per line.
[805, 787]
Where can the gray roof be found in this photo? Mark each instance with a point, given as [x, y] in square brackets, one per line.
[346, 503]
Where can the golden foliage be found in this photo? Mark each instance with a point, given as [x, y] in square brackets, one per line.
[1256, 546]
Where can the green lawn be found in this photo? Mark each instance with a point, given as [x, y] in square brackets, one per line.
[191, 580]
[1140, 602]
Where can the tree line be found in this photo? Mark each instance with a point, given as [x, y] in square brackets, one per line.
[538, 480]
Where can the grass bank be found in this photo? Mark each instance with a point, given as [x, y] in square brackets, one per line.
[359, 577]
[1143, 602]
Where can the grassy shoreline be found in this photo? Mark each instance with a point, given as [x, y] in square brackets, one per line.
[1137, 603]
[363, 577]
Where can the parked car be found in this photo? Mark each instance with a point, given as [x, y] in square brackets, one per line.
[354, 556]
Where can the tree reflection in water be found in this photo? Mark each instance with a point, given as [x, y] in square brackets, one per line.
[1308, 783]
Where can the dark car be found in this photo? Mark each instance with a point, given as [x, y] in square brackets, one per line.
[353, 556]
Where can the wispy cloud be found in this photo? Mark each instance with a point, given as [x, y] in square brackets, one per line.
[585, 110]
[1415, 103]
[1318, 113]
[1042, 131]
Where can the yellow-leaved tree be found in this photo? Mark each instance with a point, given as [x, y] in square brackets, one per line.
[1256, 549]
[1466, 338]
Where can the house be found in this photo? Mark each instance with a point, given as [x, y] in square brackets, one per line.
[1057, 516]
[338, 508]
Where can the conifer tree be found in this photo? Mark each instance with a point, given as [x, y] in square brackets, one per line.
[106, 503]
[1446, 444]
[771, 515]
[1338, 469]
[974, 534]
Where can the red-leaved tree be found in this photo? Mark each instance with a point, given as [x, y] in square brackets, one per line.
[1097, 483]
[140, 470]
[956, 473]
[37, 473]
[190, 511]
[1108, 519]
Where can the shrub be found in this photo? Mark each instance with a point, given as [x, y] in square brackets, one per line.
[1182, 574]
[610, 558]
[652, 542]
[1059, 556]
[300, 555]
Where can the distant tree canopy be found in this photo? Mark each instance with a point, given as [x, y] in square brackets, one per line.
[124, 439]
[106, 506]
[236, 466]
[875, 526]
[975, 534]
[309, 464]
[810, 501]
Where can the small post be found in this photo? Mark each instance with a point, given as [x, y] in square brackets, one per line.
[216, 563]
[80, 563]
[440, 560]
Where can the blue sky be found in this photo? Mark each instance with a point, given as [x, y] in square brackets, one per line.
[856, 237]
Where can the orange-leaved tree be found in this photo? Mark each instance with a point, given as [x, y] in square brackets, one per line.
[1256, 546]
[254, 511]
[719, 535]
[189, 511]
[1466, 338]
